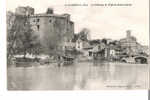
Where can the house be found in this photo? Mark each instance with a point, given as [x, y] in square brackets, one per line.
[68, 45]
[98, 50]
[113, 51]
[81, 45]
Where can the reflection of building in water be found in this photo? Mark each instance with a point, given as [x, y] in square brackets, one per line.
[112, 70]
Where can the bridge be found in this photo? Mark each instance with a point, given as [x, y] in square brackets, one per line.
[141, 59]
[136, 59]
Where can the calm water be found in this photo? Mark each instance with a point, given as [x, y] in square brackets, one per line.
[80, 76]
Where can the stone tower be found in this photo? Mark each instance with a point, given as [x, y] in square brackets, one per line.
[24, 11]
[128, 33]
[49, 11]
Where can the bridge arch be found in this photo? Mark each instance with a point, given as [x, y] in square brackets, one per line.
[124, 60]
[141, 59]
[128, 60]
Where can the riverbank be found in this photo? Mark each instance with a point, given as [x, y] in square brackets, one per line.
[55, 63]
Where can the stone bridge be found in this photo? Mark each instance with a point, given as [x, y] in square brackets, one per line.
[141, 59]
[136, 59]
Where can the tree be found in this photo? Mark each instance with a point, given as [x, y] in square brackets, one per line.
[12, 31]
[29, 41]
[104, 41]
[21, 38]
[96, 41]
[84, 34]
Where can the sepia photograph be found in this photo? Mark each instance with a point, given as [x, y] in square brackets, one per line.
[77, 45]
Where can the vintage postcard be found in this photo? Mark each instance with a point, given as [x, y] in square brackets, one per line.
[77, 44]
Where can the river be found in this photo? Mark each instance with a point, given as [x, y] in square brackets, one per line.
[79, 76]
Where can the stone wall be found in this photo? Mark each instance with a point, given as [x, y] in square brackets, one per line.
[24, 10]
[52, 25]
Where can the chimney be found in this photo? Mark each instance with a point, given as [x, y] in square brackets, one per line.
[49, 11]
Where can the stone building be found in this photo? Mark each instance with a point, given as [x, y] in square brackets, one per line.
[49, 24]
[24, 11]
[129, 41]
[130, 44]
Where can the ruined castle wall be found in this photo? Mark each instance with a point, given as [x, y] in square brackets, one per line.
[24, 10]
[52, 27]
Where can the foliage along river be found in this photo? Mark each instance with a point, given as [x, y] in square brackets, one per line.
[79, 76]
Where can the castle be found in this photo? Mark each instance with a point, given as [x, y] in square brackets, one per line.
[49, 23]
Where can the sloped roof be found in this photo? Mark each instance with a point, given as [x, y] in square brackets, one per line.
[86, 45]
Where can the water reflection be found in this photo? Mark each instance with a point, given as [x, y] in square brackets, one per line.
[80, 76]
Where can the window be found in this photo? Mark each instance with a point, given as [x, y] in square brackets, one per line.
[38, 20]
[78, 46]
[50, 21]
[90, 53]
[38, 27]
[34, 20]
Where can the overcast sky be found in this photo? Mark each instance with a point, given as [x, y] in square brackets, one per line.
[103, 22]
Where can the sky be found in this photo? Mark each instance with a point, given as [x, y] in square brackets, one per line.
[103, 22]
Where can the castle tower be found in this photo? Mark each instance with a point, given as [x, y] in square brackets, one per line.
[128, 33]
[49, 11]
[24, 11]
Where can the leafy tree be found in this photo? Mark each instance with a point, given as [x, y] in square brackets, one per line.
[84, 34]
[96, 41]
[104, 41]
[21, 38]
[12, 31]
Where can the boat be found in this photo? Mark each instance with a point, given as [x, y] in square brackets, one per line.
[25, 62]
[64, 60]
[67, 60]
